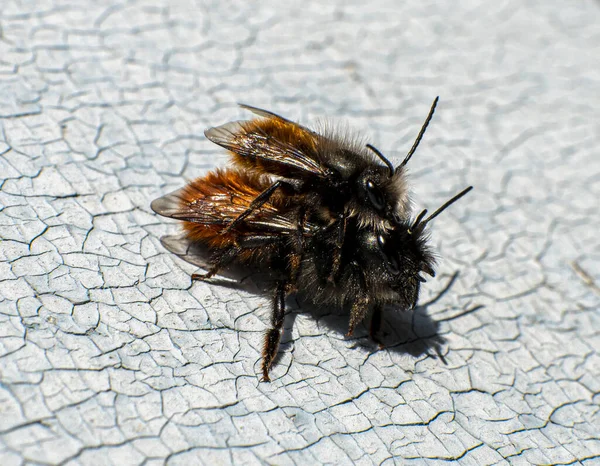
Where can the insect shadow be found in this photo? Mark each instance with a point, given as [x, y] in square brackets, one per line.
[406, 332]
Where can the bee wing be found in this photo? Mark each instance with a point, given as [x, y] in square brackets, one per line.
[215, 209]
[272, 144]
[190, 251]
[267, 114]
[263, 113]
[168, 205]
[220, 198]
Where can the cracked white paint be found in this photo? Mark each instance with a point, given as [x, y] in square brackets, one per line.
[108, 353]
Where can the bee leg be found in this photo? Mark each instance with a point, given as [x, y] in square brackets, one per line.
[295, 257]
[204, 276]
[337, 253]
[376, 325]
[258, 202]
[228, 255]
[362, 303]
[357, 314]
[219, 262]
[273, 335]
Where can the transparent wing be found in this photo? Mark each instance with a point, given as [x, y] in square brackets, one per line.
[219, 198]
[272, 144]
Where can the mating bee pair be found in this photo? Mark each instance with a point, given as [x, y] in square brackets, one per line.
[329, 218]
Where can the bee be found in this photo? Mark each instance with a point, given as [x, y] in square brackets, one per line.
[377, 267]
[337, 177]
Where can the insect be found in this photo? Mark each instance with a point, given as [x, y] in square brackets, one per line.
[337, 177]
[376, 267]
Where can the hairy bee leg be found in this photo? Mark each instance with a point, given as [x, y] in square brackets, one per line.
[357, 314]
[232, 252]
[258, 202]
[273, 335]
[362, 303]
[337, 254]
[376, 326]
[295, 258]
[205, 276]
[221, 261]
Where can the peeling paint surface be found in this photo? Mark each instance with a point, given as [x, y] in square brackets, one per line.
[109, 355]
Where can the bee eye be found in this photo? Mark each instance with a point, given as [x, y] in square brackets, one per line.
[390, 260]
[375, 195]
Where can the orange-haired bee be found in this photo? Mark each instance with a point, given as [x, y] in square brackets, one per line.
[375, 267]
[337, 177]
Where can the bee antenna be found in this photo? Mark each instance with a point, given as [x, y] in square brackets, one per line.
[383, 158]
[445, 206]
[418, 220]
[420, 136]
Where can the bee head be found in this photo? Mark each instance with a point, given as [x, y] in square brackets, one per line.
[392, 263]
[381, 186]
[400, 256]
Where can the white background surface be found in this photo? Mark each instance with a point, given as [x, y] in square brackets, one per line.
[109, 355]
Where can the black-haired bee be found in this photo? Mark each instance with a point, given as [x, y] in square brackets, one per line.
[375, 267]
